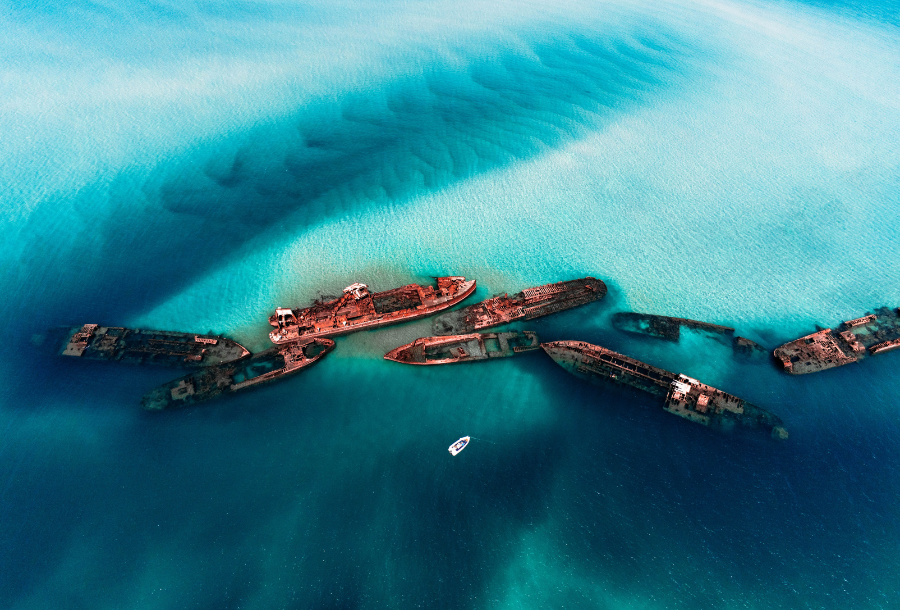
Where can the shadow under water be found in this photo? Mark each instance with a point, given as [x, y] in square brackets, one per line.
[142, 238]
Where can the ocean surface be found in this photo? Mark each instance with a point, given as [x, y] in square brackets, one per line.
[192, 165]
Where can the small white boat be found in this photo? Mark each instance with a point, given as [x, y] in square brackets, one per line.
[459, 445]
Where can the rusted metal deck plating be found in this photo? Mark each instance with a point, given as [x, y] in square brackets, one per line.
[684, 396]
[529, 304]
[158, 347]
[850, 342]
[358, 309]
[465, 348]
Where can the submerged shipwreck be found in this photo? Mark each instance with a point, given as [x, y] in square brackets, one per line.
[529, 304]
[211, 382]
[226, 367]
[669, 329]
[156, 347]
[473, 347]
[684, 396]
[359, 309]
[852, 341]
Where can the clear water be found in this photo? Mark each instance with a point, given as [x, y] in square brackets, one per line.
[191, 166]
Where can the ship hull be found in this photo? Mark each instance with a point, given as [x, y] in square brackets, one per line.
[683, 396]
[212, 382]
[852, 341]
[607, 366]
[474, 347]
[664, 327]
[332, 327]
[669, 329]
[151, 347]
[529, 304]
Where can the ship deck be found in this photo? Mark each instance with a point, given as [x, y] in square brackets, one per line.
[464, 348]
[322, 322]
[214, 381]
[155, 347]
[850, 342]
[529, 304]
[684, 396]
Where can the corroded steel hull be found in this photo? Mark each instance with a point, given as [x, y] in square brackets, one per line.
[155, 347]
[473, 347]
[358, 310]
[529, 304]
[852, 341]
[684, 396]
[212, 382]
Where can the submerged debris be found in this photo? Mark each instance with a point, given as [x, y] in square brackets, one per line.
[669, 329]
[211, 382]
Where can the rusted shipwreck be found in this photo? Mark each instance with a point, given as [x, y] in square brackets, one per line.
[358, 309]
[529, 304]
[214, 381]
[853, 340]
[684, 396]
[669, 329]
[155, 347]
[472, 347]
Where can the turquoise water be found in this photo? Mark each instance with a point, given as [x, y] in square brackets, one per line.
[192, 166]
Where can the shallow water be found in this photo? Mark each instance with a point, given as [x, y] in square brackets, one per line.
[191, 167]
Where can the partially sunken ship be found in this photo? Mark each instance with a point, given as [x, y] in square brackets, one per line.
[669, 329]
[529, 304]
[359, 309]
[852, 341]
[473, 347]
[214, 381]
[157, 347]
[684, 396]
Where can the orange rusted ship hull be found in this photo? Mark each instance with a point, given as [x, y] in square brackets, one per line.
[358, 309]
[529, 304]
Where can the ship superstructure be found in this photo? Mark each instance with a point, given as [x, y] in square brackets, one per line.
[850, 342]
[211, 382]
[465, 348]
[358, 309]
[529, 304]
[159, 347]
[684, 396]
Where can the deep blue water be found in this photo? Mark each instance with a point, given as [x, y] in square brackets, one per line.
[191, 166]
